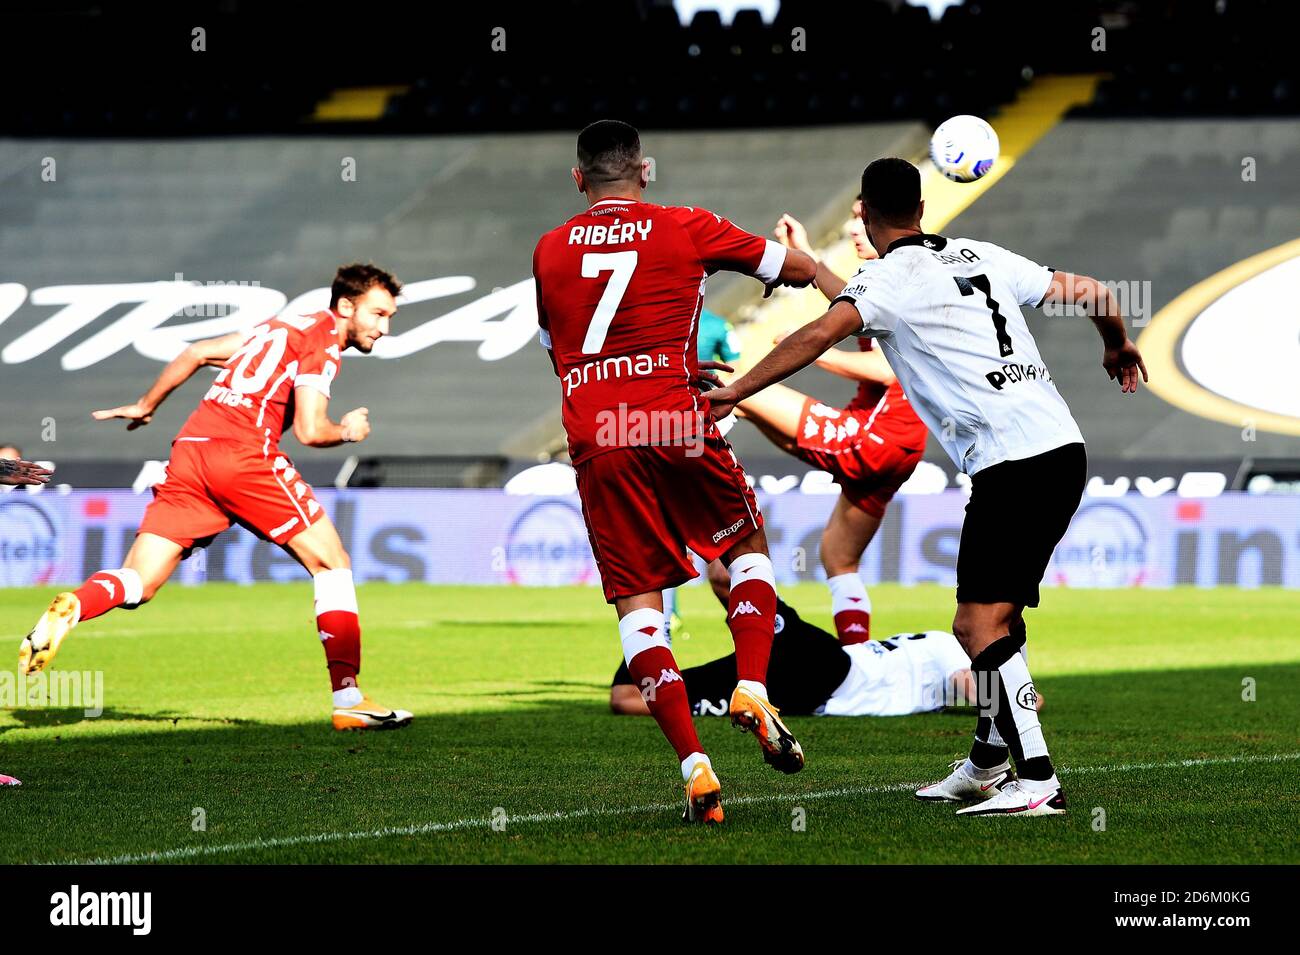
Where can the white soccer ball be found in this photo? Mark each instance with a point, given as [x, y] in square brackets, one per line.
[964, 148]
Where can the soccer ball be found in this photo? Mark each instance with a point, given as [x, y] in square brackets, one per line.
[964, 148]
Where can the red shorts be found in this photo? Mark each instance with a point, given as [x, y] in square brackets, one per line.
[214, 483]
[867, 467]
[645, 507]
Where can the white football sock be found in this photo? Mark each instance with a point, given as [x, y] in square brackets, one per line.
[690, 762]
[348, 696]
[848, 592]
[640, 630]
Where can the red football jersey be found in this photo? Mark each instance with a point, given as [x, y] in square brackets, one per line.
[252, 397]
[619, 292]
[892, 414]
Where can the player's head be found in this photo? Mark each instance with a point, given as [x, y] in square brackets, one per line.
[857, 230]
[891, 198]
[366, 297]
[609, 160]
[10, 452]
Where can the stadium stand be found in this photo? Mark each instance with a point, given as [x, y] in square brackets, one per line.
[251, 187]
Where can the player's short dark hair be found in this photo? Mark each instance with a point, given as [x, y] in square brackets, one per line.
[355, 280]
[891, 191]
[609, 151]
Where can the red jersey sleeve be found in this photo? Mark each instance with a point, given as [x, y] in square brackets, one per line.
[722, 245]
[543, 322]
[318, 358]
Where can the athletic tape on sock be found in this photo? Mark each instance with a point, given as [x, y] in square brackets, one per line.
[749, 567]
[848, 593]
[132, 586]
[335, 591]
[640, 630]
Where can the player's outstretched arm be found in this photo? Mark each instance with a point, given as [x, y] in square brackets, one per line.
[855, 366]
[17, 472]
[798, 269]
[790, 232]
[210, 351]
[314, 429]
[800, 350]
[1121, 357]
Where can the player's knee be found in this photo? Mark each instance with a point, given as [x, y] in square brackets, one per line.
[755, 543]
[965, 630]
[335, 558]
[719, 580]
[324, 556]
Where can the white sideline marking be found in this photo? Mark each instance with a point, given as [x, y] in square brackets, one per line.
[565, 815]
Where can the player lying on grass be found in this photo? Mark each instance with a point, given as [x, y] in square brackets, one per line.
[15, 472]
[226, 467]
[947, 314]
[619, 290]
[813, 673]
[871, 446]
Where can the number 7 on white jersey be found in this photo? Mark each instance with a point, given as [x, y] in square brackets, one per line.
[622, 265]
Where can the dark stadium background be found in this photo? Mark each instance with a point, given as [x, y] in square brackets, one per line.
[218, 165]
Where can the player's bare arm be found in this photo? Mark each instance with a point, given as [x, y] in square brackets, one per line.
[800, 350]
[791, 233]
[14, 471]
[210, 351]
[1121, 357]
[313, 427]
[855, 366]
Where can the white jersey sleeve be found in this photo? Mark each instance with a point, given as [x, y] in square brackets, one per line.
[1028, 280]
[869, 292]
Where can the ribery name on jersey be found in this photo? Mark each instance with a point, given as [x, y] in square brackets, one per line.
[616, 233]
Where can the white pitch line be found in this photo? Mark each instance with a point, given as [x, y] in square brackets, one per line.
[566, 815]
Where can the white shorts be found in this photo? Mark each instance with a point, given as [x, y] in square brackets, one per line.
[908, 673]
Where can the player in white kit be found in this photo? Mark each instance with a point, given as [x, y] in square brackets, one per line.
[946, 312]
[812, 673]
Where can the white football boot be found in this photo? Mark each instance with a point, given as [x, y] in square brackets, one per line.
[38, 647]
[1022, 797]
[966, 783]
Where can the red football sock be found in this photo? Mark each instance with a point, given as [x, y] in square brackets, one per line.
[340, 634]
[851, 608]
[751, 615]
[655, 674]
[107, 589]
[339, 626]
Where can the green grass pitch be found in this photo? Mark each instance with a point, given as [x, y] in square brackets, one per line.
[216, 700]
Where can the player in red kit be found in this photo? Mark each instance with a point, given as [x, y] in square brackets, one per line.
[226, 467]
[871, 446]
[619, 292]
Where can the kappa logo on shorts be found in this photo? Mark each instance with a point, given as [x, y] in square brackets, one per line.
[668, 676]
[745, 607]
[728, 531]
[1027, 697]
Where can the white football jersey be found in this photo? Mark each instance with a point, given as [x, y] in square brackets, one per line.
[907, 673]
[947, 314]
